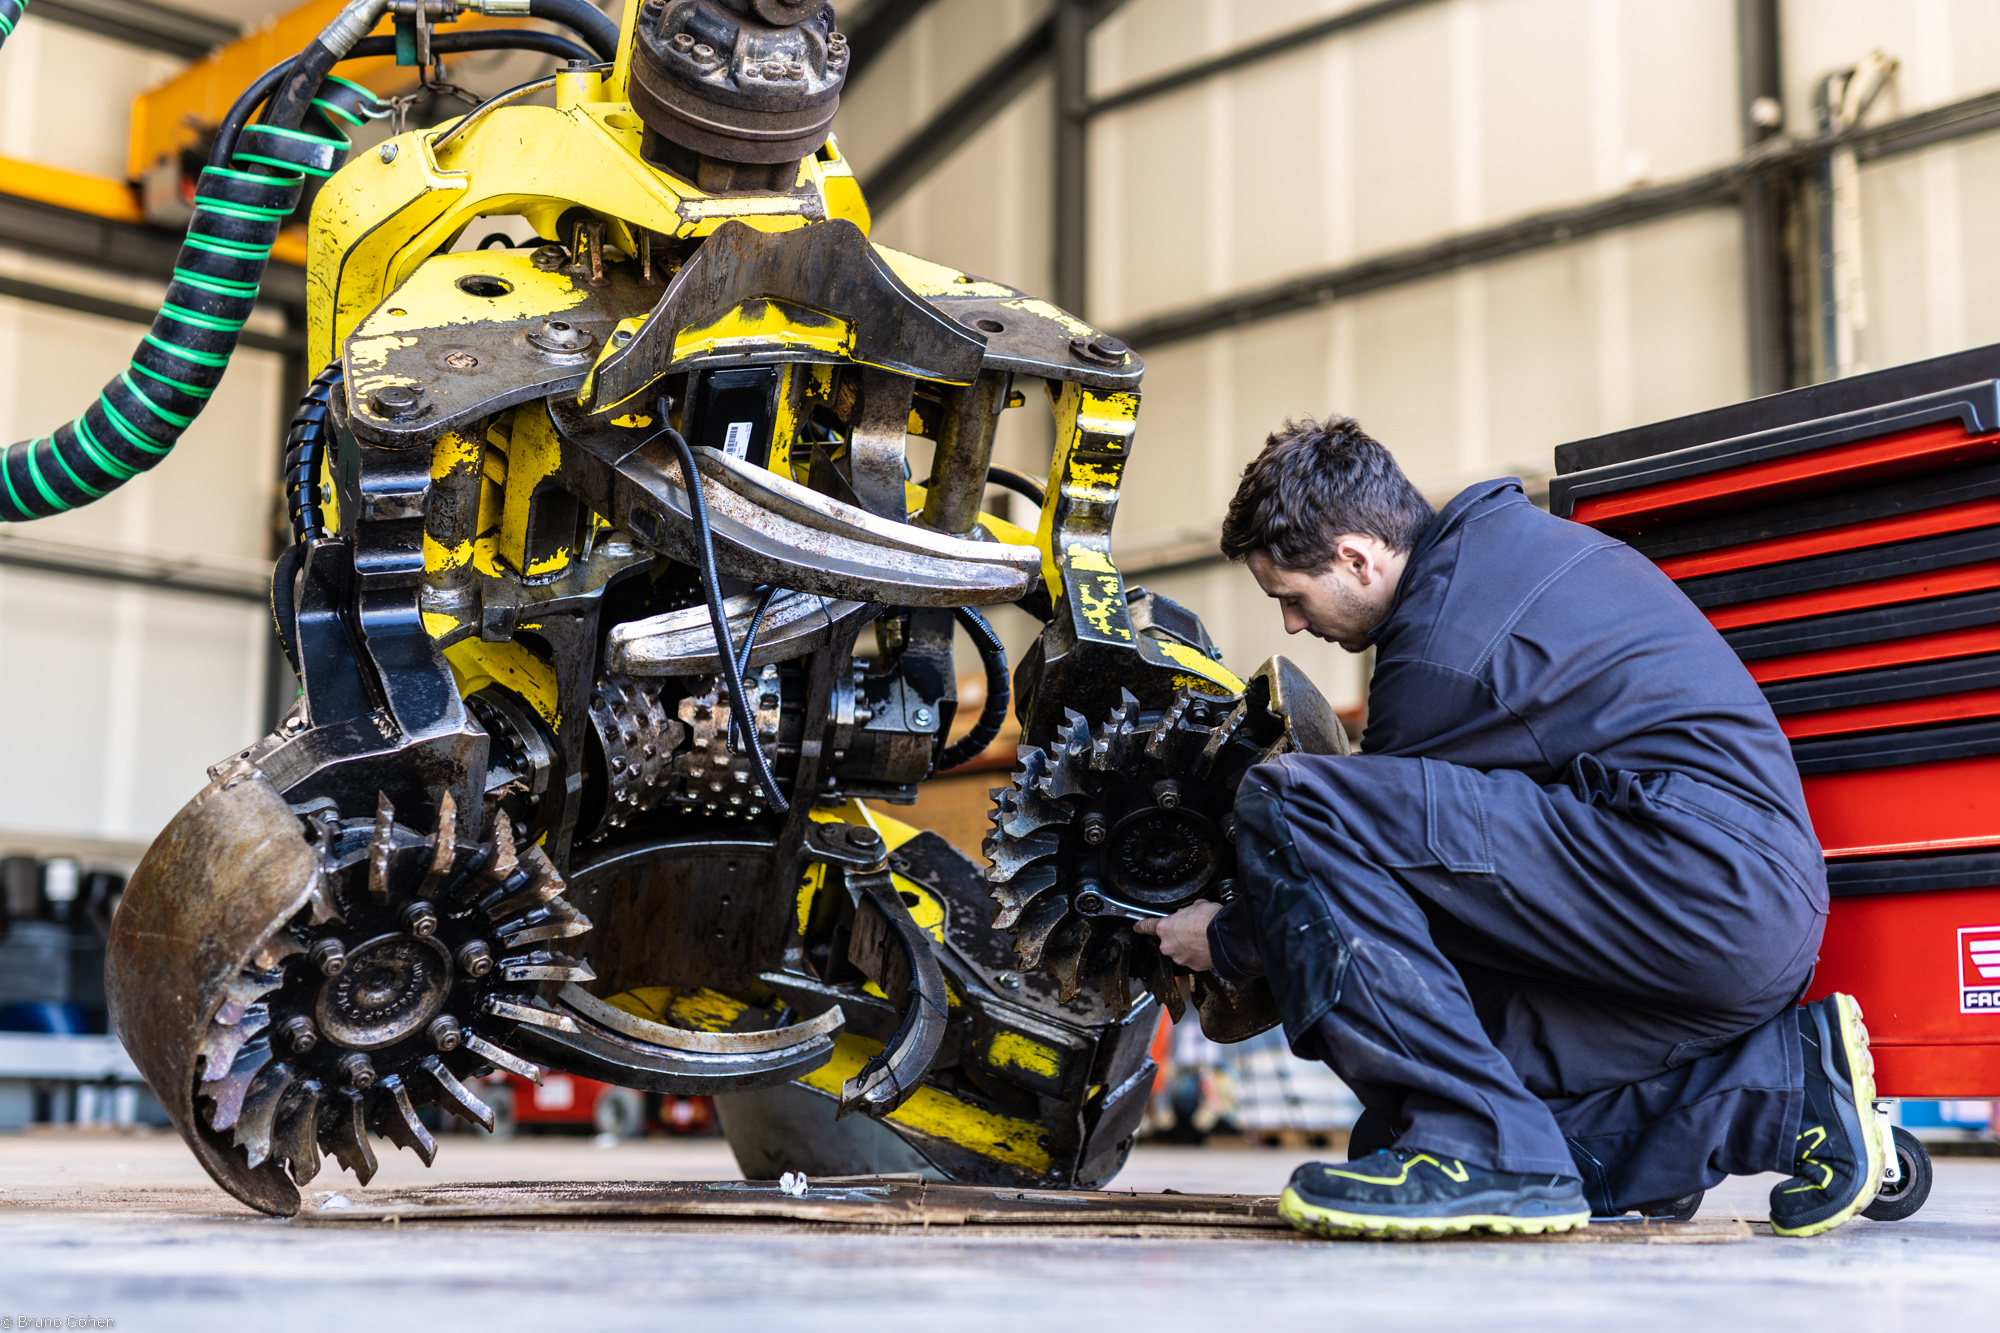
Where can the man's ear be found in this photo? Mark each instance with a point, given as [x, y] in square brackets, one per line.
[1356, 558]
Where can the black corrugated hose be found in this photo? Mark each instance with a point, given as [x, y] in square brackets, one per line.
[718, 619]
[999, 691]
[140, 415]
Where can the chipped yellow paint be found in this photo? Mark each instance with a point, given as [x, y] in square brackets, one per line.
[1100, 477]
[1031, 305]
[534, 454]
[633, 421]
[475, 664]
[926, 278]
[1109, 413]
[930, 1111]
[437, 624]
[1088, 560]
[1101, 598]
[1011, 1050]
[453, 450]
[794, 378]
[1000, 530]
[843, 193]
[442, 559]
[765, 324]
[1210, 670]
[367, 353]
[810, 884]
[431, 297]
[698, 1010]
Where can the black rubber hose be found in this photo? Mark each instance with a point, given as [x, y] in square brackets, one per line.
[599, 33]
[10, 18]
[141, 413]
[999, 691]
[285, 602]
[1020, 483]
[305, 451]
[749, 643]
[443, 43]
[718, 619]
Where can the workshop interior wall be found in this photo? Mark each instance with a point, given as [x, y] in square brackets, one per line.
[119, 696]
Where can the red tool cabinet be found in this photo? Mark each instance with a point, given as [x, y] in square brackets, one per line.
[1845, 539]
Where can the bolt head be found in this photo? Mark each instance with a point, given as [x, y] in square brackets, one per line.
[1008, 980]
[421, 919]
[474, 958]
[1167, 794]
[357, 1070]
[298, 1033]
[328, 956]
[863, 839]
[445, 1033]
[922, 717]
[1089, 903]
[387, 152]
[398, 401]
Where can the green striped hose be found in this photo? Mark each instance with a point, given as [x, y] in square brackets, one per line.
[10, 17]
[238, 212]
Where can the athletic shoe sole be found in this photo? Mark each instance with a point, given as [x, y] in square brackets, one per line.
[1853, 1038]
[1336, 1223]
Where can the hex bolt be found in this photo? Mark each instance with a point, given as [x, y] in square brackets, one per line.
[1225, 892]
[397, 401]
[863, 839]
[1229, 826]
[387, 152]
[922, 718]
[1008, 980]
[445, 1033]
[420, 919]
[1167, 794]
[328, 956]
[357, 1069]
[1096, 828]
[474, 958]
[1089, 902]
[298, 1033]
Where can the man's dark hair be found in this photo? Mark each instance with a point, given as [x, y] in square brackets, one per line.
[1317, 481]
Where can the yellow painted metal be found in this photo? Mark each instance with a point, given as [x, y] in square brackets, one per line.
[533, 456]
[1012, 1050]
[475, 664]
[843, 192]
[98, 196]
[1094, 430]
[375, 222]
[697, 1010]
[765, 325]
[933, 1112]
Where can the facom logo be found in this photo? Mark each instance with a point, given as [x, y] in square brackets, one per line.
[1979, 970]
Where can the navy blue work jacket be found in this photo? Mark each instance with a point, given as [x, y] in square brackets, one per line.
[1518, 640]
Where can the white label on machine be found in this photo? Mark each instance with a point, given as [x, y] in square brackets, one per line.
[736, 440]
[1979, 970]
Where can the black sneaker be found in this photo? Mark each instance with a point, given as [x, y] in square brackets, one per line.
[1838, 1166]
[1399, 1193]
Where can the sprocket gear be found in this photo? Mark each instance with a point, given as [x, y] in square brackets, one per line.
[413, 959]
[1134, 819]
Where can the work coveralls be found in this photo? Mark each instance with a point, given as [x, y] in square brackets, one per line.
[1554, 916]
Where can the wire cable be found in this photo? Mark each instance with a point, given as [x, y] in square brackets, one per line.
[711, 586]
[999, 691]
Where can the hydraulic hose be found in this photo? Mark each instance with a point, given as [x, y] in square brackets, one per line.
[599, 33]
[10, 15]
[999, 691]
[718, 619]
[140, 415]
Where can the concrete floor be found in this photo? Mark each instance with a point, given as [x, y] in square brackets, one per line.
[129, 1229]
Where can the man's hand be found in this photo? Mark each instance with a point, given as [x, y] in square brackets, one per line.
[1184, 935]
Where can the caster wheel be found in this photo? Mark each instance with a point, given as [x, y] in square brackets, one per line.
[620, 1112]
[1902, 1199]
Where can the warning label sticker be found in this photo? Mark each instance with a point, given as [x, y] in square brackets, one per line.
[1979, 970]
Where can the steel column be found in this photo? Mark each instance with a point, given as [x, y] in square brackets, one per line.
[1073, 21]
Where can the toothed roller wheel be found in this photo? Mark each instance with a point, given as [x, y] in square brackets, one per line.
[1122, 821]
[397, 983]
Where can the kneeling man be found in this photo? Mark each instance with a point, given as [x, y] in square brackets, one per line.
[1552, 924]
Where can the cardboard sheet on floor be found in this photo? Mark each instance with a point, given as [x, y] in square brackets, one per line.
[903, 1204]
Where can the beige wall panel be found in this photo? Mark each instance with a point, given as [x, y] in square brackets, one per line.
[1405, 393]
[66, 96]
[1274, 123]
[1534, 105]
[1948, 49]
[1145, 38]
[1277, 373]
[1973, 283]
[1151, 245]
[1542, 367]
[56, 674]
[1403, 125]
[1930, 269]
[199, 699]
[1675, 87]
[1166, 494]
[1689, 349]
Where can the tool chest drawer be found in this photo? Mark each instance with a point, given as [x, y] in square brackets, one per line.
[1845, 540]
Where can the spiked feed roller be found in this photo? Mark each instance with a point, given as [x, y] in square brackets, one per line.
[1131, 820]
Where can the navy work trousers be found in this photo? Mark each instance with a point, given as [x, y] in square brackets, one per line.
[1496, 967]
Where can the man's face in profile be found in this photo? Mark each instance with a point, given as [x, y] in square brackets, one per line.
[1339, 602]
